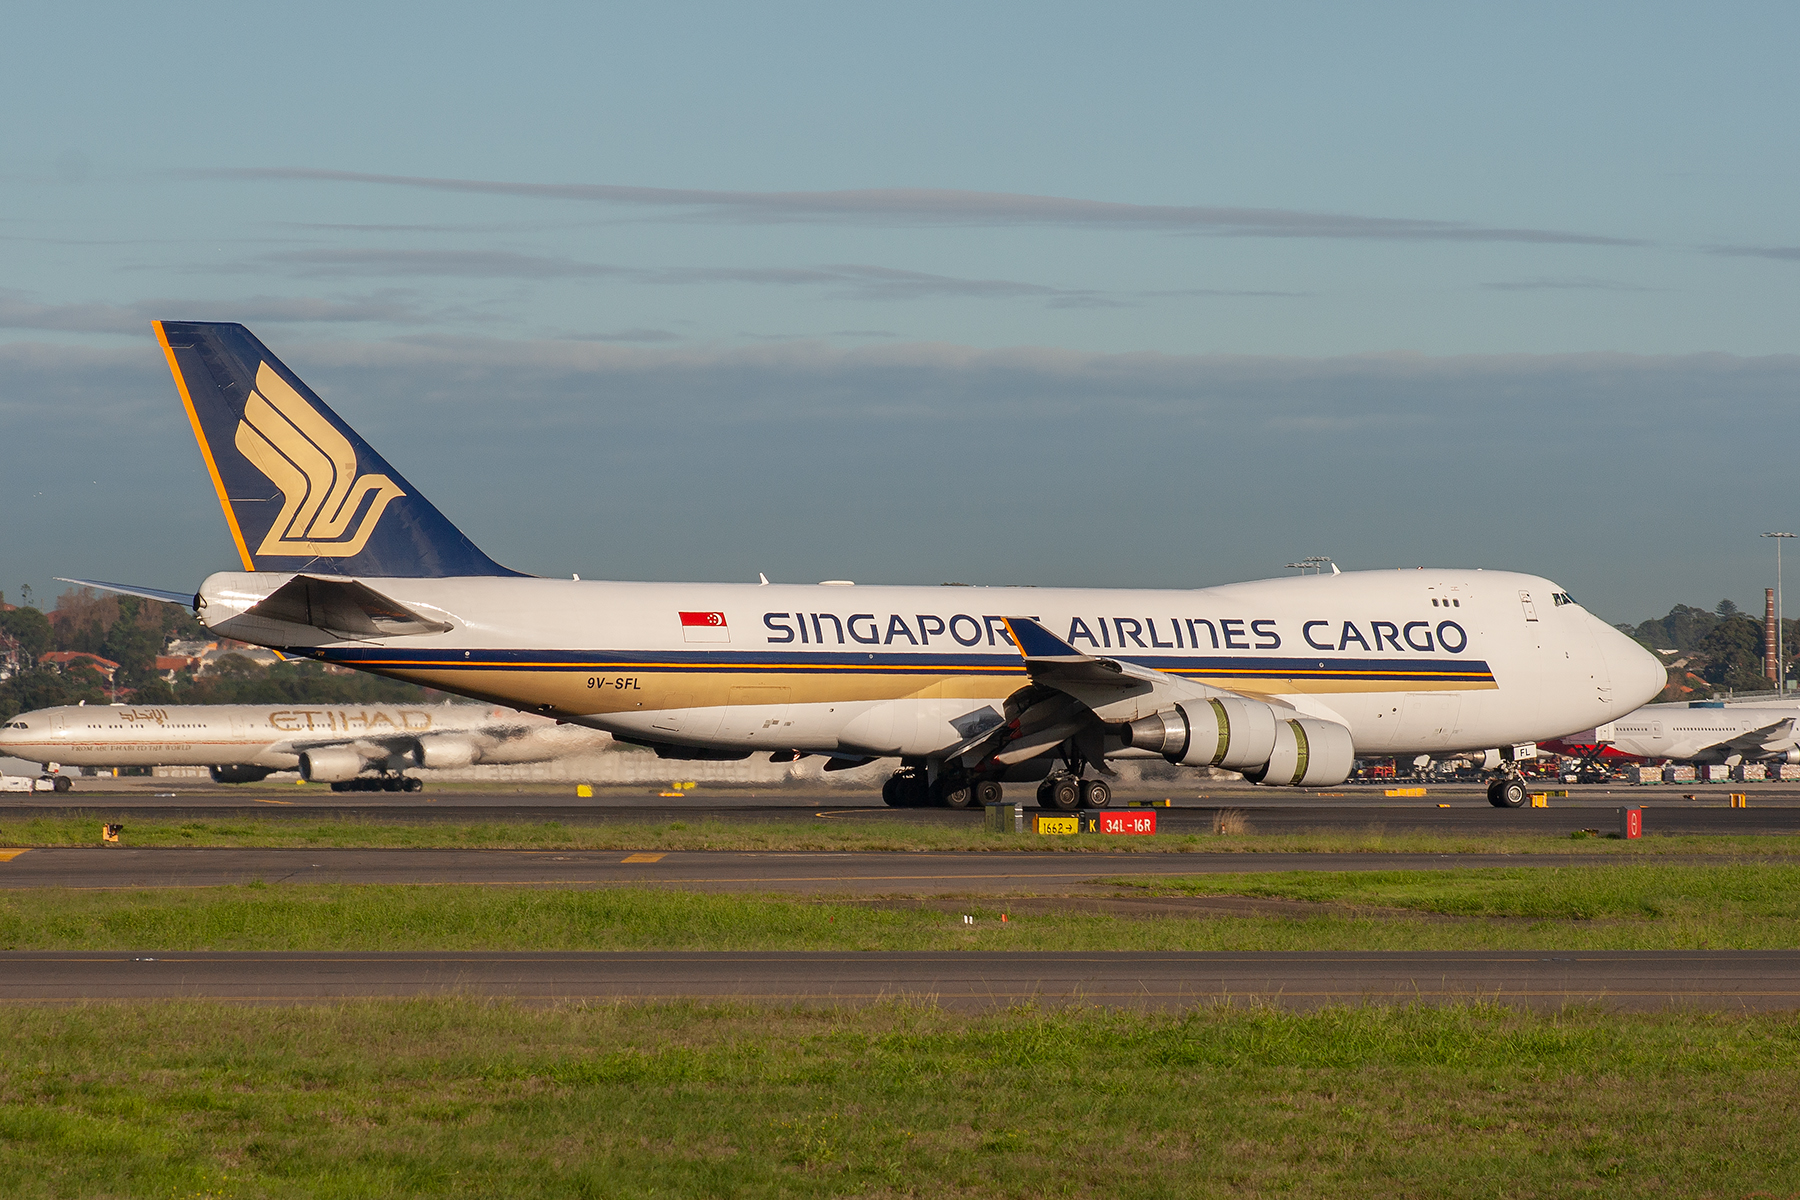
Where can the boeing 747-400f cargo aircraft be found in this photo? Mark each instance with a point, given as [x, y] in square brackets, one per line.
[1284, 680]
[361, 747]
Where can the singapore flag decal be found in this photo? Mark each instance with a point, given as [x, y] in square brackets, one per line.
[705, 627]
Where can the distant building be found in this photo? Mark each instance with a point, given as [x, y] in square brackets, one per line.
[60, 659]
[170, 665]
[12, 655]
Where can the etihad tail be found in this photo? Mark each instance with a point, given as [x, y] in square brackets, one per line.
[301, 491]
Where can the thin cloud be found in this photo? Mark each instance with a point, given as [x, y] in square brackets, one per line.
[861, 282]
[481, 264]
[945, 206]
[17, 312]
[1781, 253]
[1580, 283]
[850, 281]
[645, 336]
[1225, 292]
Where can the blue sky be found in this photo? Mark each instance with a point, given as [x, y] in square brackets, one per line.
[1146, 295]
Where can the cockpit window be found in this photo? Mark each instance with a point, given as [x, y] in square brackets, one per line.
[1562, 598]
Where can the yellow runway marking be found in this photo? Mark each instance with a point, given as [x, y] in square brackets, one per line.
[261, 801]
[9, 855]
[642, 858]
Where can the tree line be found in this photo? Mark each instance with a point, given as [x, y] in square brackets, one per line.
[133, 632]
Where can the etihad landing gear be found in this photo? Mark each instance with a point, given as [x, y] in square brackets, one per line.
[1507, 792]
[989, 791]
[379, 783]
[1066, 793]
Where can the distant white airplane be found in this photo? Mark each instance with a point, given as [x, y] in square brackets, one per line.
[1699, 731]
[354, 747]
[1284, 680]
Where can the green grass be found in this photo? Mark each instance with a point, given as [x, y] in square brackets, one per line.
[1620, 907]
[1627, 891]
[459, 1098]
[859, 833]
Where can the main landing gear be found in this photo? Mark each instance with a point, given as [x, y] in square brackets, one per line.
[908, 788]
[379, 783]
[1063, 792]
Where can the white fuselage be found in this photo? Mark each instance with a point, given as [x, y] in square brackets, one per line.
[1706, 734]
[1412, 661]
[274, 736]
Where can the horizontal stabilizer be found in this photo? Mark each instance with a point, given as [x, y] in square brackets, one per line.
[185, 599]
[343, 607]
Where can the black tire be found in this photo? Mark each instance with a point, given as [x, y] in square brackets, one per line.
[989, 791]
[414, 785]
[1096, 793]
[955, 793]
[1065, 793]
[904, 790]
[1043, 793]
[1510, 793]
[341, 786]
[63, 784]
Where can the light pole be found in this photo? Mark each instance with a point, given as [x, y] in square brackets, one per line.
[1780, 661]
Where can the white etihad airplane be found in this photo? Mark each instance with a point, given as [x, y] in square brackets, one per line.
[1699, 731]
[354, 747]
[1285, 680]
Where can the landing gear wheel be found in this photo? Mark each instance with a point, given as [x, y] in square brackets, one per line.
[954, 792]
[1507, 793]
[413, 785]
[989, 791]
[1095, 793]
[63, 784]
[1060, 792]
[903, 789]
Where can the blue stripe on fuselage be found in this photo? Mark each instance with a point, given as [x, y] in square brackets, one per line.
[798, 662]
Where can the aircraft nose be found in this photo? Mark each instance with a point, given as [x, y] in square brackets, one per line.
[1638, 676]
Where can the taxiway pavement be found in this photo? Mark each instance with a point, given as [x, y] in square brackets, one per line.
[1445, 808]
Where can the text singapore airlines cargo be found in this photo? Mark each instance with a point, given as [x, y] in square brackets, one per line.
[1284, 680]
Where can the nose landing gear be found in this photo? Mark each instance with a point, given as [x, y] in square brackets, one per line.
[1507, 792]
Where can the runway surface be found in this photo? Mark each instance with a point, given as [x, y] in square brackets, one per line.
[1671, 809]
[796, 872]
[1624, 980]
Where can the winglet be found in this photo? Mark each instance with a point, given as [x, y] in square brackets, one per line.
[1052, 659]
[1034, 641]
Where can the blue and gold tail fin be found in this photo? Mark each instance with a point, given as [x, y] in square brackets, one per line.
[301, 491]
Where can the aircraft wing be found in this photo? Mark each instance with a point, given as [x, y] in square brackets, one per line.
[1779, 730]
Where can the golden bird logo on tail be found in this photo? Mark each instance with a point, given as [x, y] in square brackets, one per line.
[315, 467]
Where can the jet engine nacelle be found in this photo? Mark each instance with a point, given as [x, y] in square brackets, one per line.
[1785, 756]
[331, 764]
[440, 753]
[1308, 753]
[1224, 731]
